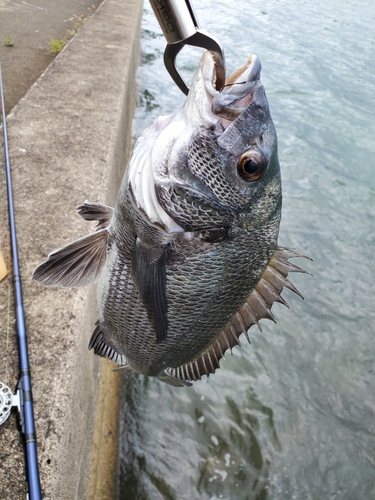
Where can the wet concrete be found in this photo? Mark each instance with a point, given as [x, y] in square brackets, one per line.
[69, 139]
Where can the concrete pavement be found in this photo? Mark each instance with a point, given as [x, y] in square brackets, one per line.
[26, 28]
[69, 140]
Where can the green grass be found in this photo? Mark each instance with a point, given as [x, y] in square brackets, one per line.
[8, 42]
[55, 45]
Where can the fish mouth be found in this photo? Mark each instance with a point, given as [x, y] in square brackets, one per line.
[227, 104]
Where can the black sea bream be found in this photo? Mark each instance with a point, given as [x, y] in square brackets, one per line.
[188, 258]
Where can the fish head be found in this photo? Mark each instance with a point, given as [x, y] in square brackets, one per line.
[222, 146]
[218, 151]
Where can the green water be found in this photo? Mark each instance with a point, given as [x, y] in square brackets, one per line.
[291, 416]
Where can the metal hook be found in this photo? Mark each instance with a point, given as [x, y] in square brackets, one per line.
[180, 27]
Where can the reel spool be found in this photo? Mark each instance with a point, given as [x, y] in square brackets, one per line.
[6, 402]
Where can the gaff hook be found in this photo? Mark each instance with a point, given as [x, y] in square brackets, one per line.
[180, 27]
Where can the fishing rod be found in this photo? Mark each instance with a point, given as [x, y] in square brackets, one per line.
[23, 398]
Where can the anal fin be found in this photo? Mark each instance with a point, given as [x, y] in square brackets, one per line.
[76, 264]
[102, 349]
[171, 380]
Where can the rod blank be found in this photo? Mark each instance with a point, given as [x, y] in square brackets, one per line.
[24, 384]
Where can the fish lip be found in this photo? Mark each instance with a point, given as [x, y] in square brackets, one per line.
[211, 105]
[238, 92]
[250, 71]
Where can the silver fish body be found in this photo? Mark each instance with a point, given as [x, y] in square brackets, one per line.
[188, 258]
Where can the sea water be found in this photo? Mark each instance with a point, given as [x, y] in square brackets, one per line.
[291, 416]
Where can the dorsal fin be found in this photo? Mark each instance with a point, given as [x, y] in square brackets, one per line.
[257, 306]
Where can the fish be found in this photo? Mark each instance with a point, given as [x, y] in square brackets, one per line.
[188, 259]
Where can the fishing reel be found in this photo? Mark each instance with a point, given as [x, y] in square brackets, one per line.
[6, 402]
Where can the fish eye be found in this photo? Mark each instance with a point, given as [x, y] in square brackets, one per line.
[251, 166]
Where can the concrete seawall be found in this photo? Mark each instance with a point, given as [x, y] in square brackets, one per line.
[69, 138]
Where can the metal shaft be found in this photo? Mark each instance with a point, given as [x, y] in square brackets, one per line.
[180, 27]
[176, 18]
[24, 385]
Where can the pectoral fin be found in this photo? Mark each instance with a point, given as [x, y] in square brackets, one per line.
[76, 264]
[149, 276]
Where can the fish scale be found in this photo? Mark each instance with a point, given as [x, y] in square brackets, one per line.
[202, 160]
[215, 284]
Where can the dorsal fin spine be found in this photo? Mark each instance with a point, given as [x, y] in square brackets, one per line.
[243, 326]
[225, 336]
[209, 362]
[197, 368]
[285, 266]
[204, 363]
[238, 318]
[269, 293]
[234, 334]
[258, 306]
[281, 280]
[220, 348]
[215, 355]
[253, 319]
[191, 371]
